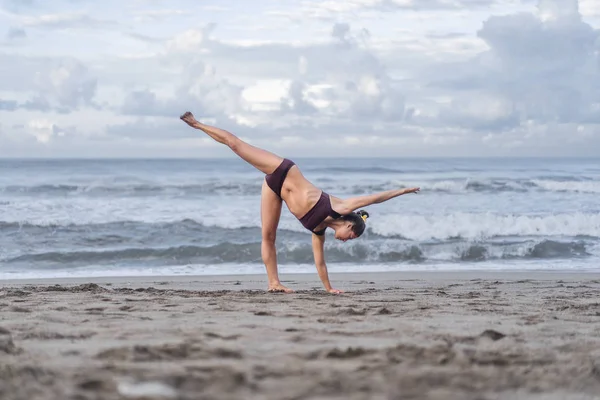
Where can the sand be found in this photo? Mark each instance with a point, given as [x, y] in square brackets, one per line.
[444, 336]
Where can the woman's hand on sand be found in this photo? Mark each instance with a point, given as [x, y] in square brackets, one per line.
[335, 291]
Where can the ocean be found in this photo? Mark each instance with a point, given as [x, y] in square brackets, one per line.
[90, 218]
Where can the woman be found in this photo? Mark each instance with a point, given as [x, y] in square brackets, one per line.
[315, 209]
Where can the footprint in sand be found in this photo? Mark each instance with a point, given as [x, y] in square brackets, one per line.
[20, 309]
[222, 337]
[7, 346]
[263, 313]
[351, 312]
[95, 310]
[336, 353]
[179, 351]
[45, 335]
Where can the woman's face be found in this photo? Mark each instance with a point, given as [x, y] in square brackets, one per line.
[345, 232]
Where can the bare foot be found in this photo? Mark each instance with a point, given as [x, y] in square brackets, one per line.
[279, 288]
[189, 119]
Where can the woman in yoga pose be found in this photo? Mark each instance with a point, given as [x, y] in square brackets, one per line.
[315, 209]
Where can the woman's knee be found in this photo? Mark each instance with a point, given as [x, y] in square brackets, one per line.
[269, 237]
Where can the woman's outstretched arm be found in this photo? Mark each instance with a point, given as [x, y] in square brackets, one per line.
[318, 243]
[349, 205]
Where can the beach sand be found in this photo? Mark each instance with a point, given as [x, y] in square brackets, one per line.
[462, 335]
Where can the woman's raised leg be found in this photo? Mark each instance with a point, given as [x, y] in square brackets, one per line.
[270, 212]
[263, 160]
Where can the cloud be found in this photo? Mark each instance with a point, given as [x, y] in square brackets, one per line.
[144, 38]
[481, 112]
[340, 78]
[15, 34]
[43, 130]
[145, 103]
[154, 128]
[190, 39]
[296, 100]
[156, 15]
[8, 105]
[28, 5]
[66, 21]
[199, 87]
[539, 67]
[332, 10]
[545, 65]
[342, 81]
[68, 83]
[273, 60]
[364, 77]
[16, 5]
[448, 35]
[35, 104]
[60, 84]
[37, 131]
[589, 8]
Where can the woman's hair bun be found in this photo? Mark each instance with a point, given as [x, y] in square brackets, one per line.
[363, 214]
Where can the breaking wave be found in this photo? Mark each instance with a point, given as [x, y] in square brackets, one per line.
[467, 226]
[378, 252]
[253, 187]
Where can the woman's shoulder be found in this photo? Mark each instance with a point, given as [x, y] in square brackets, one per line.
[339, 205]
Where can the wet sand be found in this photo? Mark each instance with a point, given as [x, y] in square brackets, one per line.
[443, 336]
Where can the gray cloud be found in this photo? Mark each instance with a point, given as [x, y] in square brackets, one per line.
[295, 102]
[279, 60]
[431, 4]
[144, 38]
[545, 68]
[39, 103]
[475, 113]
[157, 15]
[359, 84]
[43, 138]
[59, 84]
[535, 70]
[148, 128]
[199, 87]
[144, 103]
[68, 21]
[449, 35]
[316, 9]
[17, 5]
[68, 82]
[15, 33]
[8, 105]
[35, 104]
[535, 84]
[523, 41]
[17, 72]
[340, 31]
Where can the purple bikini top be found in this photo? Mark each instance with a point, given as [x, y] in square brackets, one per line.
[318, 213]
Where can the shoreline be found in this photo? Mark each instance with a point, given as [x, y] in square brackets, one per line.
[304, 279]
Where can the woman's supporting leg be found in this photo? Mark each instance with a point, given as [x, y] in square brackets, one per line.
[263, 160]
[270, 212]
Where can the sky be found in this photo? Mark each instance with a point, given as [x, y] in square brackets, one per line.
[328, 78]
